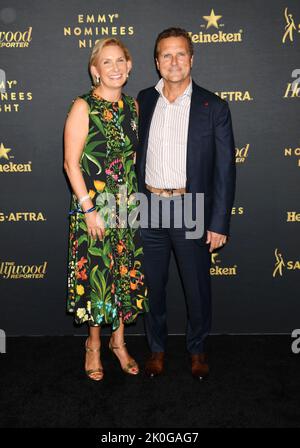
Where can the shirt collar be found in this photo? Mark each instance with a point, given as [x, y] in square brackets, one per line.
[188, 91]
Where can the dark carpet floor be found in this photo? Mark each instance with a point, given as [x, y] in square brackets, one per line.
[254, 382]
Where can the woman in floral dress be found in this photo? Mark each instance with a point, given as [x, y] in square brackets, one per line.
[106, 283]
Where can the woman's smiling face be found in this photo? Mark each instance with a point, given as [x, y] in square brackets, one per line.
[112, 67]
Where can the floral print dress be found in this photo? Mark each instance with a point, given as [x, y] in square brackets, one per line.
[105, 278]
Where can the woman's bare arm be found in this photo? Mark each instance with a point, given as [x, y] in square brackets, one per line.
[75, 134]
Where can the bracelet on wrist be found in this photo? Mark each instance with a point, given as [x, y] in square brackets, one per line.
[77, 210]
[90, 210]
[84, 198]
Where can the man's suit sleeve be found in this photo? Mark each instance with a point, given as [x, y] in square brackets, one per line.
[224, 172]
[138, 98]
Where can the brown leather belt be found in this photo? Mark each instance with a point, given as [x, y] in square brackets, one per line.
[166, 192]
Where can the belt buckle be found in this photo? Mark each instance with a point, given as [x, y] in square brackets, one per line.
[164, 193]
[170, 192]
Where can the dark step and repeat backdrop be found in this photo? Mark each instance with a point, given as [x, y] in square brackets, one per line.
[245, 51]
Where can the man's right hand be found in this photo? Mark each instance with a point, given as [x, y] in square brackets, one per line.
[216, 240]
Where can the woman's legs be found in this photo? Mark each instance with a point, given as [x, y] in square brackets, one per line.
[117, 340]
[92, 358]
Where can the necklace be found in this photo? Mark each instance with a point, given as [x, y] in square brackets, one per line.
[100, 98]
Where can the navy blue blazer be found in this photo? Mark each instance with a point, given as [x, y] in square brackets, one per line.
[210, 167]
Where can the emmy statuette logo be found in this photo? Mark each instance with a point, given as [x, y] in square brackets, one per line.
[281, 264]
[290, 27]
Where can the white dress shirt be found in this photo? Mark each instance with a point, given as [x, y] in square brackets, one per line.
[167, 144]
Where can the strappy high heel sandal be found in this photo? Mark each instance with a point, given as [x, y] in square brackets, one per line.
[130, 365]
[91, 372]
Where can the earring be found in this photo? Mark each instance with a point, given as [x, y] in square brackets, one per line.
[98, 80]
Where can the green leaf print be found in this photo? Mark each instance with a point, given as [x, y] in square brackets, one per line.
[128, 152]
[103, 282]
[106, 260]
[99, 283]
[92, 242]
[91, 146]
[95, 251]
[127, 141]
[121, 118]
[99, 154]
[131, 177]
[85, 164]
[82, 225]
[138, 252]
[99, 124]
[81, 239]
[90, 136]
[115, 282]
[106, 248]
[93, 279]
[95, 161]
[128, 166]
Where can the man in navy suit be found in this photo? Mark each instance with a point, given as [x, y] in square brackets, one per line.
[186, 146]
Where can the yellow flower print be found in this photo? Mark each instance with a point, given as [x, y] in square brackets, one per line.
[132, 199]
[80, 312]
[80, 290]
[139, 303]
[88, 306]
[120, 104]
[92, 193]
[99, 185]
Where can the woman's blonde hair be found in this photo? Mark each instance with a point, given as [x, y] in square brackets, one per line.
[98, 47]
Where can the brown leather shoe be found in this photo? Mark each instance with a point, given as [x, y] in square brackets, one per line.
[200, 368]
[155, 364]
